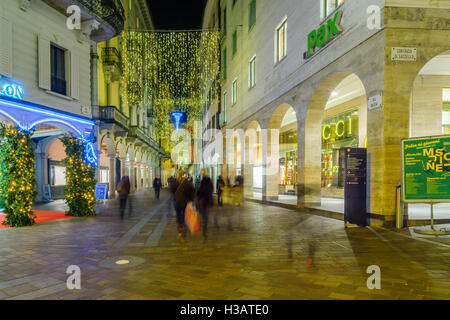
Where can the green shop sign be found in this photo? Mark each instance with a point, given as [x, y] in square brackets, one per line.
[326, 32]
[426, 169]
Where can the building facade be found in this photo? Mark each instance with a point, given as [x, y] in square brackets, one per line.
[303, 79]
[46, 77]
[126, 136]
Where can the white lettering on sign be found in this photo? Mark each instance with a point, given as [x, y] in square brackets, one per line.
[375, 102]
[404, 54]
[11, 90]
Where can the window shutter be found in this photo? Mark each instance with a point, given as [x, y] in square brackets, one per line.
[5, 47]
[74, 76]
[44, 63]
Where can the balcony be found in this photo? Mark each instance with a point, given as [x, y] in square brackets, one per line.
[108, 13]
[110, 115]
[111, 64]
[138, 136]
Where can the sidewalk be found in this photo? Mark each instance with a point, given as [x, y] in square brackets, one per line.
[417, 212]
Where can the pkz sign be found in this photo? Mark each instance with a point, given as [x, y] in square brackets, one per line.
[11, 88]
[326, 33]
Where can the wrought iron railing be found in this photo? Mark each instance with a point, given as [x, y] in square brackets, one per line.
[111, 56]
[110, 114]
[137, 132]
[110, 11]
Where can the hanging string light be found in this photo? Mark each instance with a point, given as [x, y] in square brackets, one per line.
[171, 71]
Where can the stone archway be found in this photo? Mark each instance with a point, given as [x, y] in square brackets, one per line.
[314, 167]
[271, 187]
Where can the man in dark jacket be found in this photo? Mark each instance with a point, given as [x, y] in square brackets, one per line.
[157, 185]
[204, 196]
[183, 193]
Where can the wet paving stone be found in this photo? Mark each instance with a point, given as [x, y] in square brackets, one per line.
[276, 254]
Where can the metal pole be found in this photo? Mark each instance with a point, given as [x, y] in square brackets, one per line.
[432, 217]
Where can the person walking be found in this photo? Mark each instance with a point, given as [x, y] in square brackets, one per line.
[123, 188]
[204, 197]
[183, 193]
[157, 185]
[220, 186]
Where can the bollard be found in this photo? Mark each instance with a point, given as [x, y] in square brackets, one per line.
[398, 208]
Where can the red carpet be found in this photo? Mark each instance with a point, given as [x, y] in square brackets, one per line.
[41, 216]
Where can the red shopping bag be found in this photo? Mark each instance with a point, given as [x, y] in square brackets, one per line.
[192, 219]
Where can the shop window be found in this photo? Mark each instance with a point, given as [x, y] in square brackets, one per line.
[57, 175]
[328, 6]
[234, 92]
[339, 131]
[252, 72]
[281, 41]
[58, 70]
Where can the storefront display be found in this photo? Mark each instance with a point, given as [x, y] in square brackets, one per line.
[338, 131]
[288, 162]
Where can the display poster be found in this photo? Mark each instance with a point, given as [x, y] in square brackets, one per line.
[47, 192]
[426, 169]
[101, 191]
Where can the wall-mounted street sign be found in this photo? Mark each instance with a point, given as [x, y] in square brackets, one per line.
[324, 34]
[101, 191]
[404, 54]
[11, 88]
[355, 186]
[426, 169]
[375, 102]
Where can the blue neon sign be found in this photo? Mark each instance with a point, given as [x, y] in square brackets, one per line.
[178, 118]
[11, 88]
[90, 155]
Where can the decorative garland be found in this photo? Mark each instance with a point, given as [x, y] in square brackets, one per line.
[17, 178]
[80, 178]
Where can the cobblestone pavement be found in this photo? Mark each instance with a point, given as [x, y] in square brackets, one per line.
[274, 253]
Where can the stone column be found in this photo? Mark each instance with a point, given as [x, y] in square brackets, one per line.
[270, 143]
[249, 160]
[132, 176]
[112, 176]
[41, 172]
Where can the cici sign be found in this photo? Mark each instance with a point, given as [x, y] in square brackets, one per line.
[341, 129]
[11, 88]
[324, 34]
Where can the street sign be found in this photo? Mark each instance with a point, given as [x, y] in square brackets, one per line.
[101, 191]
[404, 54]
[375, 102]
[426, 169]
[355, 210]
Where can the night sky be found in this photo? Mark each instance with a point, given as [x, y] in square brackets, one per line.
[177, 14]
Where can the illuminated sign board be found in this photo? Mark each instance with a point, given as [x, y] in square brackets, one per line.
[11, 88]
[326, 32]
[426, 169]
[341, 126]
[178, 118]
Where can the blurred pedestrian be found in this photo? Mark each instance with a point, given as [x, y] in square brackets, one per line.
[204, 197]
[157, 185]
[220, 186]
[184, 192]
[171, 181]
[123, 188]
